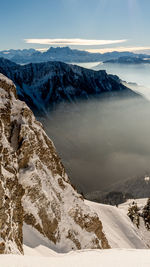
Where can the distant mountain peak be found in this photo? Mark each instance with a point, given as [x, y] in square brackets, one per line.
[64, 54]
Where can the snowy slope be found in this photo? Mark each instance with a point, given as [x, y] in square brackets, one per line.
[84, 258]
[118, 228]
[121, 233]
[142, 231]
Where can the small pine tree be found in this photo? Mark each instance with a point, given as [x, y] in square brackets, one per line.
[133, 213]
[146, 214]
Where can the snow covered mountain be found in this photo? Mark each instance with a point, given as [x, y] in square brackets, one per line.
[38, 205]
[43, 85]
[64, 54]
[122, 234]
[34, 186]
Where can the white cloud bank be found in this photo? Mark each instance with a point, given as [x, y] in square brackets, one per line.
[74, 41]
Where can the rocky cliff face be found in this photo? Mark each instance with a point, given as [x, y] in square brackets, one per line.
[43, 85]
[34, 187]
[11, 210]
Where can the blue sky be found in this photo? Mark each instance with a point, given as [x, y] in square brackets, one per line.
[126, 22]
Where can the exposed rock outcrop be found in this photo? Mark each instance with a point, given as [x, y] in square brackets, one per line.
[34, 187]
[11, 211]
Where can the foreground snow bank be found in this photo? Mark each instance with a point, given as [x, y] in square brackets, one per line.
[84, 258]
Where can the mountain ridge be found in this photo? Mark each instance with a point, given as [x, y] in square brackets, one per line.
[129, 60]
[64, 54]
[42, 85]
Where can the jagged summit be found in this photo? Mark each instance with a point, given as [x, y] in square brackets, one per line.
[62, 49]
[34, 187]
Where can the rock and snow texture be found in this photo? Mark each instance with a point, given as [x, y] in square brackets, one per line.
[35, 191]
[31, 167]
[119, 230]
[142, 231]
[121, 233]
[11, 211]
[43, 85]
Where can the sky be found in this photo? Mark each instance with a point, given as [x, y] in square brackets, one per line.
[93, 25]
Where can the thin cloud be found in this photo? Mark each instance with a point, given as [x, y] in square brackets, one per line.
[121, 49]
[75, 41]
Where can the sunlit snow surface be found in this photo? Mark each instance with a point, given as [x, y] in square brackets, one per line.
[123, 236]
[118, 228]
[94, 258]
